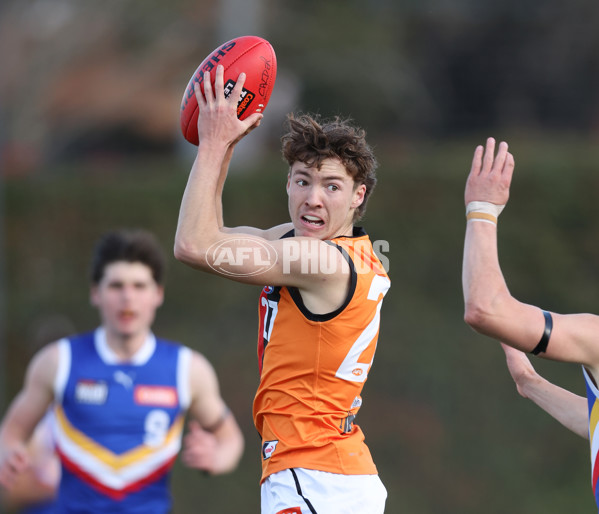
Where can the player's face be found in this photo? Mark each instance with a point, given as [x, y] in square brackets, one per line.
[127, 298]
[322, 201]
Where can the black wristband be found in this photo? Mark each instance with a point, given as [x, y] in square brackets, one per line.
[542, 346]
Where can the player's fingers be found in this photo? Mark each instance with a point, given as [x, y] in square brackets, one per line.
[508, 167]
[477, 160]
[18, 461]
[238, 89]
[10, 469]
[219, 83]
[197, 88]
[489, 155]
[193, 425]
[208, 93]
[500, 158]
[253, 121]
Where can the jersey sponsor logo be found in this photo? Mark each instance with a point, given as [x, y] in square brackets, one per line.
[291, 510]
[92, 392]
[268, 448]
[158, 396]
[357, 402]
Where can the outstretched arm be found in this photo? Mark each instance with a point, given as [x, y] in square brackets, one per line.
[214, 442]
[489, 307]
[570, 409]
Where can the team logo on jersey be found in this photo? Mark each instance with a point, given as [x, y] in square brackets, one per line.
[157, 396]
[268, 448]
[120, 377]
[92, 392]
[268, 289]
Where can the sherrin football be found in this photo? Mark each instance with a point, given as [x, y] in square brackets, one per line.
[249, 54]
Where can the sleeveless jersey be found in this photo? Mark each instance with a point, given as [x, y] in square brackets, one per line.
[118, 425]
[313, 368]
[592, 397]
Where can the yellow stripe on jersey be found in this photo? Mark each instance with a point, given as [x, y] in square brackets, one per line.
[108, 457]
[594, 418]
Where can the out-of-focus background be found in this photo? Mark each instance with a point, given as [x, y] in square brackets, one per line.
[90, 141]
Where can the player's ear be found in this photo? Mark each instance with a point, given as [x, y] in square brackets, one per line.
[159, 296]
[93, 295]
[358, 196]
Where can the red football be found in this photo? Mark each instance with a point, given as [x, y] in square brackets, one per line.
[249, 54]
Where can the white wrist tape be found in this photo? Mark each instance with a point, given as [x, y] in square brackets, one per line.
[486, 212]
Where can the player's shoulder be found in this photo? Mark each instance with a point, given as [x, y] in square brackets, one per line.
[202, 374]
[168, 343]
[199, 360]
[44, 363]
[49, 351]
[195, 357]
[279, 231]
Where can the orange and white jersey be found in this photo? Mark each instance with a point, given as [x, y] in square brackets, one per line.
[313, 368]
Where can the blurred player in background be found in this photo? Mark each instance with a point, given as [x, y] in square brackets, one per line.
[319, 309]
[120, 396]
[491, 310]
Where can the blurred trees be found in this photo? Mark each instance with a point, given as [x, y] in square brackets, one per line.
[70, 86]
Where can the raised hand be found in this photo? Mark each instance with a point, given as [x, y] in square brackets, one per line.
[490, 175]
[217, 120]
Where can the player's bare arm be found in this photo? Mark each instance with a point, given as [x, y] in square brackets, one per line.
[24, 413]
[570, 409]
[214, 442]
[200, 230]
[200, 220]
[489, 306]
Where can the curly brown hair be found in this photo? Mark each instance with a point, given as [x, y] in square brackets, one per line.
[311, 140]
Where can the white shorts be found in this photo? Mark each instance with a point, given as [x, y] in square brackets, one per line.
[307, 491]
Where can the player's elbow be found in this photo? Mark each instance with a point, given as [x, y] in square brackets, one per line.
[477, 317]
[190, 254]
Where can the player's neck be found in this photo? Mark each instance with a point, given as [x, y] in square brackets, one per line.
[125, 346]
[347, 231]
